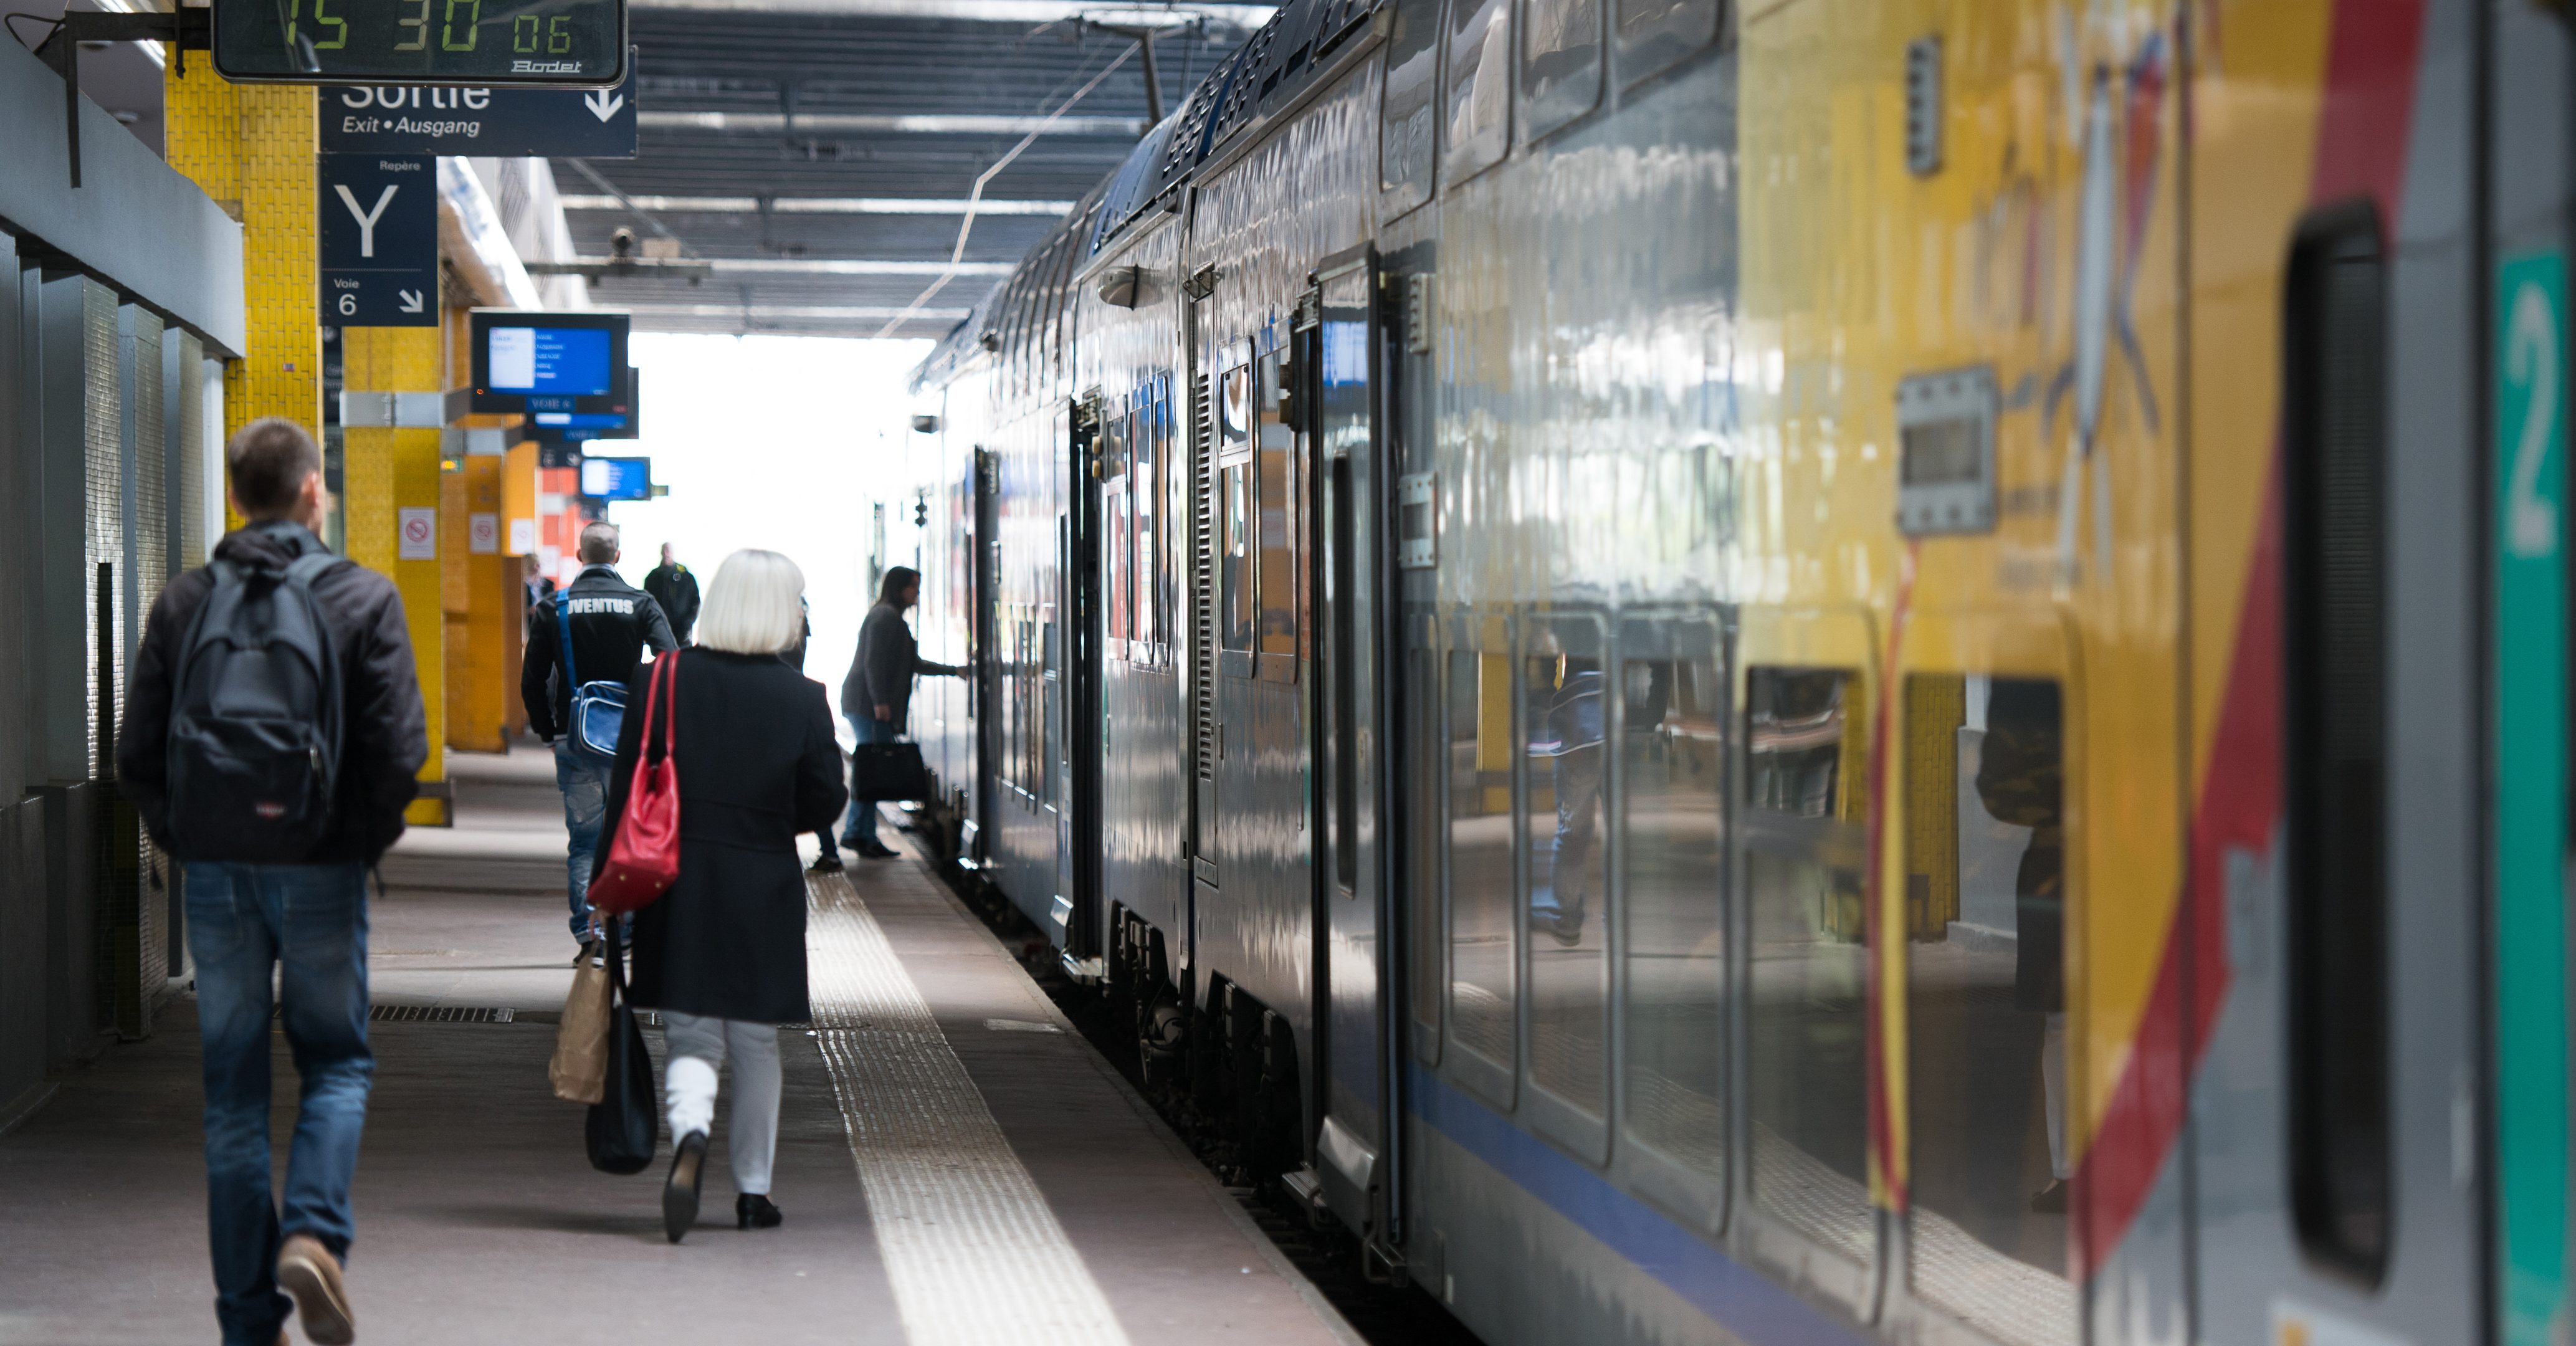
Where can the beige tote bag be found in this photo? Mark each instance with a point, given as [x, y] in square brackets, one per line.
[580, 1066]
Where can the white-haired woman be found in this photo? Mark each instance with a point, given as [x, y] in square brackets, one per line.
[722, 954]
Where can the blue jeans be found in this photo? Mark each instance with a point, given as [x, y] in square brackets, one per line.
[583, 778]
[859, 827]
[244, 920]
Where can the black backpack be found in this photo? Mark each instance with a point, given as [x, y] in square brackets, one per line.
[255, 716]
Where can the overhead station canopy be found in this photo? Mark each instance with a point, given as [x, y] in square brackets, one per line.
[806, 166]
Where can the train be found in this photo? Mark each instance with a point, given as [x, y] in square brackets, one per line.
[1811, 670]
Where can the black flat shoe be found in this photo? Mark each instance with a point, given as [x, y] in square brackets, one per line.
[877, 851]
[827, 864]
[753, 1211]
[680, 1193]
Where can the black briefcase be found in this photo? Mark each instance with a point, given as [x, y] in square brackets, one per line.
[888, 771]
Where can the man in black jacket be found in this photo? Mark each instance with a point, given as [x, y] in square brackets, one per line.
[243, 919]
[612, 623]
[676, 590]
[876, 697]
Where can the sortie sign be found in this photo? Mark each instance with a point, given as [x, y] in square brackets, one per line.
[502, 122]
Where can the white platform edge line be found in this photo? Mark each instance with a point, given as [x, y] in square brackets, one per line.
[995, 1268]
[1307, 1292]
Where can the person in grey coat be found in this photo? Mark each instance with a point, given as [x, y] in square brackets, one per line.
[876, 697]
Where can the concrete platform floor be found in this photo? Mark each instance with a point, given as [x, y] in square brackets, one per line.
[479, 1221]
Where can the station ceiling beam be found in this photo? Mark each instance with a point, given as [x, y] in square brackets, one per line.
[681, 268]
[818, 205]
[1246, 17]
[950, 123]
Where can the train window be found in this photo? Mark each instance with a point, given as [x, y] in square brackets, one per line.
[1560, 63]
[1478, 98]
[1672, 792]
[1803, 851]
[1115, 534]
[2335, 713]
[1564, 749]
[1409, 120]
[1986, 911]
[1651, 36]
[1275, 450]
[1483, 927]
[1234, 565]
[1144, 489]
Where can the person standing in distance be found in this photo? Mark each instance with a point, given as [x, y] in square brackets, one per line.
[876, 697]
[612, 623]
[326, 640]
[676, 590]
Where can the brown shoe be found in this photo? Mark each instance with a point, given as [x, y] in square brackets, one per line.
[308, 1271]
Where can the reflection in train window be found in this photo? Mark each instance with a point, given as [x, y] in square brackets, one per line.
[1564, 728]
[1653, 34]
[1483, 927]
[1117, 554]
[1560, 62]
[1478, 104]
[1672, 778]
[1145, 486]
[1406, 127]
[1234, 562]
[1275, 449]
[1803, 852]
[1985, 914]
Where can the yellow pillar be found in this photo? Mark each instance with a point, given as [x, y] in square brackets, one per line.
[251, 147]
[471, 570]
[387, 471]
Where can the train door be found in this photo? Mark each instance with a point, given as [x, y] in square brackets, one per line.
[985, 682]
[1078, 825]
[1337, 335]
[2533, 65]
[2331, 1007]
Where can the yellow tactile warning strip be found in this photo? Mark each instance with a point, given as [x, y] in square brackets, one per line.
[975, 1254]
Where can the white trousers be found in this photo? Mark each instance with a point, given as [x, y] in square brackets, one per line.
[698, 1049]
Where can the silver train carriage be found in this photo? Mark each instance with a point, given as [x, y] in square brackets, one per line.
[1735, 670]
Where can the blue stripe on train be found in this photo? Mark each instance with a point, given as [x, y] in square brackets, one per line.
[1737, 1297]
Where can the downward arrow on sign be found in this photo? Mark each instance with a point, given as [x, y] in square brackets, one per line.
[411, 300]
[604, 104]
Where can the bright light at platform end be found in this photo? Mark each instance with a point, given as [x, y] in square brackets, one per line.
[776, 442]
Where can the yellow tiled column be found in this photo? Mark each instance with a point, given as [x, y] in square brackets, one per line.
[251, 148]
[478, 686]
[386, 471]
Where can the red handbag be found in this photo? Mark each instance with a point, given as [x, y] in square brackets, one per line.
[644, 860]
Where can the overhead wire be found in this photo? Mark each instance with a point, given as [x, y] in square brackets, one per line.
[975, 195]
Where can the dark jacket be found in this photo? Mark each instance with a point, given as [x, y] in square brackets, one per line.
[612, 623]
[676, 590]
[384, 731]
[887, 661]
[758, 765]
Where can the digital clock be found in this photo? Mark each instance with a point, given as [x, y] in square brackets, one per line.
[484, 43]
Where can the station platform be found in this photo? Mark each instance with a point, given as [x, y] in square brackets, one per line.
[956, 1165]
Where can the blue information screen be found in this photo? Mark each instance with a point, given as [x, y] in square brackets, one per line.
[617, 478]
[561, 360]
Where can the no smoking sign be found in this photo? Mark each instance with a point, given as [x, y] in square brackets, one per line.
[417, 535]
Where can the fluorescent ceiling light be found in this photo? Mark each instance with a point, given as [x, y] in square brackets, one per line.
[820, 205]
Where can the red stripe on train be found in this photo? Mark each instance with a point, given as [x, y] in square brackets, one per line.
[2369, 97]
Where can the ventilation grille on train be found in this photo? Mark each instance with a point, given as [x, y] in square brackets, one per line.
[1203, 578]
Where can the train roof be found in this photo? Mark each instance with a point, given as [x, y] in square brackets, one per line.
[1268, 72]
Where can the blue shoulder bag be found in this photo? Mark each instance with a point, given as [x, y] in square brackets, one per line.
[598, 708]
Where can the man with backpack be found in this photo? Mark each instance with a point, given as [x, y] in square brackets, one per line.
[273, 732]
[583, 644]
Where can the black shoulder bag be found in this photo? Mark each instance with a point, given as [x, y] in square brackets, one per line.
[621, 1128]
